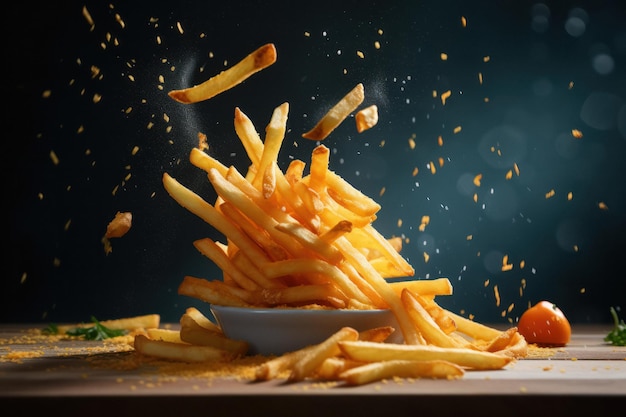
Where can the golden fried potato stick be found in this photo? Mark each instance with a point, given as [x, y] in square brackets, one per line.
[331, 210]
[376, 371]
[368, 237]
[424, 287]
[243, 263]
[465, 357]
[274, 367]
[310, 198]
[202, 320]
[311, 267]
[428, 328]
[376, 334]
[337, 114]
[211, 250]
[274, 135]
[473, 329]
[341, 228]
[261, 58]
[502, 341]
[366, 118]
[345, 194]
[274, 251]
[268, 181]
[320, 158]
[293, 201]
[334, 212]
[208, 291]
[517, 348]
[196, 205]
[183, 352]
[295, 171]
[323, 294]
[248, 136]
[382, 287]
[376, 300]
[314, 357]
[330, 369]
[311, 241]
[439, 314]
[238, 191]
[205, 162]
[167, 335]
[193, 333]
[120, 225]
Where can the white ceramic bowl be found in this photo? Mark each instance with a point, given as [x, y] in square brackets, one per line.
[274, 331]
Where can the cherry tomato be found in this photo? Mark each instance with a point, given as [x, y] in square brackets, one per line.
[544, 324]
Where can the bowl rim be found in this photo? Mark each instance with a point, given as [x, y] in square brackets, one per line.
[294, 310]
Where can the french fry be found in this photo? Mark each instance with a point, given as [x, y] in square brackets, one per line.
[429, 329]
[258, 235]
[202, 320]
[409, 332]
[502, 341]
[366, 118]
[311, 241]
[243, 263]
[227, 79]
[205, 162]
[180, 351]
[339, 229]
[274, 135]
[367, 236]
[474, 329]
[425, 287]
[167, 335]
[311, 267]
[376, 334]
[274, 367]
[248, 136]
[314, 357]
[438, 313]
[195, 204]
[376, 371]
[195, 334]
[517, 348]
[467, 358]
[324, 294]
[337, 114]
[212, 251]
[206, 291]
[332, 367]
[348, 196]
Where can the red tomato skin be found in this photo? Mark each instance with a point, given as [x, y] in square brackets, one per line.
[544, 324]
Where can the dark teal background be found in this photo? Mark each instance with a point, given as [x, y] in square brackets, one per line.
[552, 68]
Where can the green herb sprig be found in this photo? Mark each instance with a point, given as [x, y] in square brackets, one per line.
[617, 336]
[96, 332]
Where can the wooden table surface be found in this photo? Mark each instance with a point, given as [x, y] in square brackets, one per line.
[85, 378]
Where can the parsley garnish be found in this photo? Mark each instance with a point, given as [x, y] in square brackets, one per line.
[617, 336]
[96, 332]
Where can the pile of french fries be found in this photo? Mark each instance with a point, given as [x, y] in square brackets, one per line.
[304, 236]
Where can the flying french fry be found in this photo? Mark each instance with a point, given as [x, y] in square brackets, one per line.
[366, 118]
[337, 114]
[227, 79]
